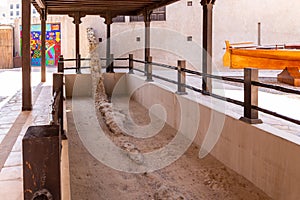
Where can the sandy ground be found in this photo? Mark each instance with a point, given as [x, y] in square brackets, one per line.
[187, 178]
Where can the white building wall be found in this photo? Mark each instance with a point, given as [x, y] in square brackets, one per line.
[12, 9]
[234, 20]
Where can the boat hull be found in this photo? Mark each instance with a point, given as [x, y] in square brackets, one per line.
[261, 58]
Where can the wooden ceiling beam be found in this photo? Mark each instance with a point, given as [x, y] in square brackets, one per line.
[97, 7]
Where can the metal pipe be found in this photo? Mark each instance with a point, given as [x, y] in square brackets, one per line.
[259, 34]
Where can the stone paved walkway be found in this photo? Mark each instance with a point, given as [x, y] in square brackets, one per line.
[13, 125]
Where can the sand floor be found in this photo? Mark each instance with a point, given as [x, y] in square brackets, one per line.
[187, 178]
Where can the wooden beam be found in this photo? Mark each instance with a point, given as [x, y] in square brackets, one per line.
[26, 60]
[207, 44]
[147, 20]
[43, 45]
[97, 7]
[77, 21]
[108, 22]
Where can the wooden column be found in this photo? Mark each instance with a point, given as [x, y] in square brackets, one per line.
[147, 20]
[207, 44]
[43, 17]
[250, 97]
[77, 16]
[181, 77]
[26, 59]
[108, 22]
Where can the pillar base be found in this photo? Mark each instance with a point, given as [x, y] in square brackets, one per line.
[205, 92]
[251, 121]
[26, 108]
[63, 135]
[181, 93]
[149, 80]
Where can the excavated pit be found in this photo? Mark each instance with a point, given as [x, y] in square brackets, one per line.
[187, 178]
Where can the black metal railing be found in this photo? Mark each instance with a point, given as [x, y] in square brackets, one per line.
[250, 89]
[61, 63]
[250, 82]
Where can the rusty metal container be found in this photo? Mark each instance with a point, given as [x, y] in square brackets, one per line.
[41, 163]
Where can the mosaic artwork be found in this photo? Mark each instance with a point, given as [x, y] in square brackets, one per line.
[53, 44]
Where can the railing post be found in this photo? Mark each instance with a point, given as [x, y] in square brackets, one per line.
[58, 86]
[60, 66]
[110, 67]
[130, 63]
[149, 69]
[78, 64]
[250, 97]
[205, 89]
[181, 77]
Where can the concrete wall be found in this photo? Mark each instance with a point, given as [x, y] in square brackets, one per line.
[266, 157]
[82, 82]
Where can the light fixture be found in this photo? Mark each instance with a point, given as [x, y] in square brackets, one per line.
[40, 3]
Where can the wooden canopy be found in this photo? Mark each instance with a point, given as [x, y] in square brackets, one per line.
[99, 7]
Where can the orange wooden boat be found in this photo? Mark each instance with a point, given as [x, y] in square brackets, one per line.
[286, 57]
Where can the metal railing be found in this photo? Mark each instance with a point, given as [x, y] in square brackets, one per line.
[250, 82]
[61, 64]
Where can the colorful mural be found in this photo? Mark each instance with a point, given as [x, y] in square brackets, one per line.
[53, 44]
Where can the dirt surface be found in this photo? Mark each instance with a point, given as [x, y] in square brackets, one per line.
[187, 178]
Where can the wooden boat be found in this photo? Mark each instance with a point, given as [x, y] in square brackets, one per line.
[286, 57]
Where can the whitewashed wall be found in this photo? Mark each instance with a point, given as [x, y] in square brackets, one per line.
[234, 20]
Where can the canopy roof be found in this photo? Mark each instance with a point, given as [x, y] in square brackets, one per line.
[100, 7]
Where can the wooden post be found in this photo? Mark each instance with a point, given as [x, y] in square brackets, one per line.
[147, 20]
[60, 67]
[43, 16]
[26, 60]
[130, 63]
[77, 16]
[58, 87]
[250, 97]
[181, 77]
[108, 22]
[77, 41]
[207, 44]
[78, 64]
[259, 34]
[110, 68]
[149, 69]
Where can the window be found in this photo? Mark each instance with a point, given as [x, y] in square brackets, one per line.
[139, 18]
[34, 11]
[17, 6]
[119, 19]
[11, 6]
[157, 15]
[11, 13]
[17, 13]
[3, 15]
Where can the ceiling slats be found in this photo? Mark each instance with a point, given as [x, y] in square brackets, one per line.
[102, 7]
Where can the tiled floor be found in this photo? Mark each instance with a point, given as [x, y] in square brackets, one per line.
[13, 125]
